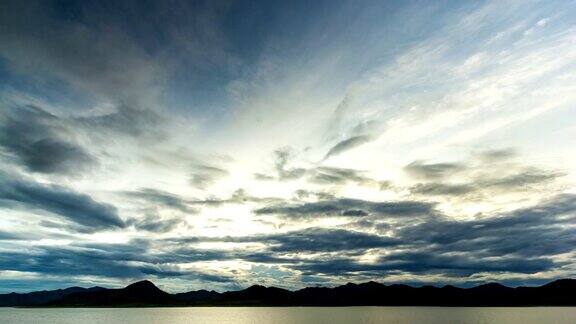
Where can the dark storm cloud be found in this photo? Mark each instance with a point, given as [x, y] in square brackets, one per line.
[430, 171]
[38, 141]
[347, 144]
[84, 212]
[350, 207]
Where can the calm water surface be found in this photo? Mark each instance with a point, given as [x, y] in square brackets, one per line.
[281, 315]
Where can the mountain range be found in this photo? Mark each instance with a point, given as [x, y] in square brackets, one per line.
[145, 294]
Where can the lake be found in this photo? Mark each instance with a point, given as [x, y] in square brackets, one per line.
[282, 315]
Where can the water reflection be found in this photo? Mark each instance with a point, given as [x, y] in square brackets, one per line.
[285, 315]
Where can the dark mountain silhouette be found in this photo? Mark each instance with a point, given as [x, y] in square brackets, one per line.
[40, 297]
[145, 293]
[257, 295]
[142, 293]
[198, 296]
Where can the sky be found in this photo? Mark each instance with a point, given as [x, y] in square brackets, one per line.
[220, 144]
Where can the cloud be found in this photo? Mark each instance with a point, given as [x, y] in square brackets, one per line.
[98, 57]
[347, 144]
[263, 177]
[206, 175]
[325, 240]
[359, 129]
[314, 239]
[442, 189]
[282, 169]
[130, 260]
[349, 207]
[303, 194]
[337, 176]
[541, 230]
[420, 263]
[354, 212]
[155, 224]
[162, 198]
[126, 120]
[85, 213]
[462, 265]
[7, 236]
[522, 179]
[282, 158]
[106, 260]
[40, 142]
[485, 174]
[239, 196]
[497, 155]
[431, 171]
[523, 241]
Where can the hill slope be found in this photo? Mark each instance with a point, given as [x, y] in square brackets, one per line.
[145, 293]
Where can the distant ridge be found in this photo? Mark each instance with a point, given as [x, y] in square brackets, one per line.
[144, 293]
[40, 297]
